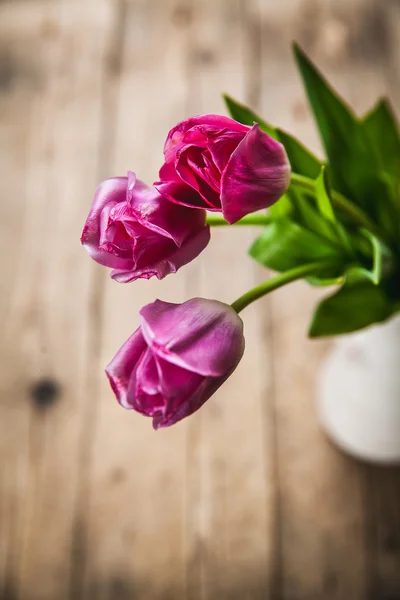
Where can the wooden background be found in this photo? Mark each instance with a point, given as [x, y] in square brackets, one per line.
[246, 499]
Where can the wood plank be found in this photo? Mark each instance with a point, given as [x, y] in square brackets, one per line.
[323, 547]
[15, 90]
[137, 480]
[382, 486]
[246, 499]
[382, 500]
[231, 510]
[119, 549]
[58, 81]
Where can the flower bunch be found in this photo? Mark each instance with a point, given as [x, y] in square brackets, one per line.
[181, 354]
[336, 222]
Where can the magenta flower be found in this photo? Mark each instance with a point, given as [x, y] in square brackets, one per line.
[133, 230]
[177, 358]
[215, 163]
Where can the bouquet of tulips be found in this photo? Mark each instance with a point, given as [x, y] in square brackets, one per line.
[333, 221]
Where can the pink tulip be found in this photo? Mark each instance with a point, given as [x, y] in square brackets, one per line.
[177, 358]
[215, 163]
[136, 232]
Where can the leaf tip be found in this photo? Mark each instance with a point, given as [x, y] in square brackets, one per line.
[296, 48]
[300, 56]
[312, 331]
[227, 99]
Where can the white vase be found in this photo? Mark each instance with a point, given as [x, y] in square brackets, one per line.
[359, 393]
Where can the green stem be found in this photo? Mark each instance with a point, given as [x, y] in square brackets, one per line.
[278, 281]
[345, 205]
[253, 219]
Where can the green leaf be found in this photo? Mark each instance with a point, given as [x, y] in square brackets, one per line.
[382, 129]
[374, 273]
[283, 208]
[302, 210]
[313, 210]
[246, 116]
[313, 222]
[325, 205]
[383, 132]
[283, 245]
[308, 216]
[354, 306]
[377, 257]
[324, 201]
[301, 160]
[348, 148]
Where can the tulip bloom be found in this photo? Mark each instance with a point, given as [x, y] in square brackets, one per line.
[135, 231]
[213, 162]
[177, 358]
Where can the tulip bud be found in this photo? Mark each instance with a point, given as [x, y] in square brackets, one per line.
[213, 162]
[135, 231]
[178, 357]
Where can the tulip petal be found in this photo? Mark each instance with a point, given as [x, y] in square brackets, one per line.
[176, 137]
[195, 169]
[223, 145]
[204, 391]
[256, 176]
[203, 336]
[183, 194]
[148, 375]
[111, 191]
[168, 173]
[178, 386]
[176, 383]
[167, 219]
[145, 396]
[174, 261]
[120, 370]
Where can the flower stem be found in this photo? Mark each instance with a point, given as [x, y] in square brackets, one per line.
[340, 201]
[278, 281]
[253, 219]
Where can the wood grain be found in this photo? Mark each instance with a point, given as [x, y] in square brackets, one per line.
[137, 478]
[324, 504]
[246, 499]
[230, 534]
[56, 92]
